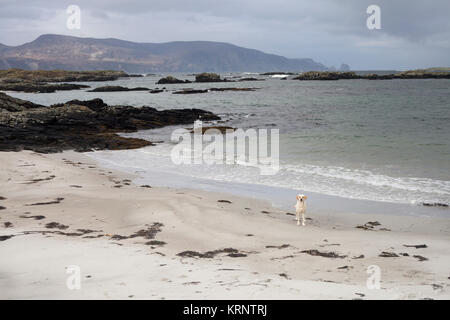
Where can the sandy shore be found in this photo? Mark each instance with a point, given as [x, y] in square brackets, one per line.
[63, 210]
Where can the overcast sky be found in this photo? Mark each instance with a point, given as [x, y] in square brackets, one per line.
[413, 34]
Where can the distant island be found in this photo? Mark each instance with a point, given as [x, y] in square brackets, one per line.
[50, 52]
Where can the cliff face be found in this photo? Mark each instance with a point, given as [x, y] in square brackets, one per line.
[73, 53]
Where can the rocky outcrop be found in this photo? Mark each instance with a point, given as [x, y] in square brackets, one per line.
[208, 77]
[38, 80]
[171, 80]
[37, 87]
[334, 75]
[60, 75]
[190, 91]
[82, 125]
[117, 89]
[326, 75]
[10, 104]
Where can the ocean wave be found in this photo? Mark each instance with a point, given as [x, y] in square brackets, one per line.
[330, 180]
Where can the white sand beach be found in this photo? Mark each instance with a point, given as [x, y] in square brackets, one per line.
[64, 209]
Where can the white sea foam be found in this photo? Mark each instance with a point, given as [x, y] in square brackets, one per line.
[330, 180]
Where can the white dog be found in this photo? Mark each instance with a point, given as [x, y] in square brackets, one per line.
[300, 208]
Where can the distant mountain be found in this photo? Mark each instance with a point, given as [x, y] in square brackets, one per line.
[73, 53]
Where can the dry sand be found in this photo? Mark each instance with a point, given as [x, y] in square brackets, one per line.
[119, 262]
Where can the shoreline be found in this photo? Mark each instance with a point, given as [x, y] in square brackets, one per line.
[279, 197]
[127, 240]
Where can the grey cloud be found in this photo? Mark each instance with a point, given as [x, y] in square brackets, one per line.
[330, 31]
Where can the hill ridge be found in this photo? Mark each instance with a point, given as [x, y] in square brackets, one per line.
[53, 51]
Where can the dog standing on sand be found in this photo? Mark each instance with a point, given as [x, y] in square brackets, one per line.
[300, 208]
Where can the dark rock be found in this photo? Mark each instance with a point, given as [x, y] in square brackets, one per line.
[251, 79]
[170, 79]
[190, 91]
[156, 90]
[232, 89]
[8, 103]
[326, 75]
[2, 208]
[3, 238]
[117, 88]
[435, 204]
[38, 87]
[334, 75]
[224, 201]
[17, 75]
[82, 125]
[7, 224]
[208, 77]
